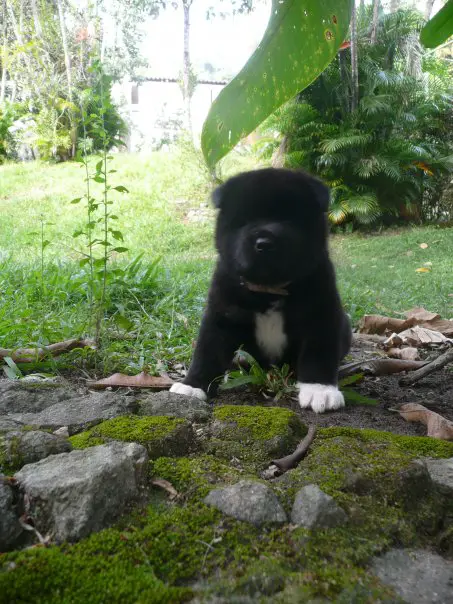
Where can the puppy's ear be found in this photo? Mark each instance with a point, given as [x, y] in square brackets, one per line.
[217, 196]
[321, 193]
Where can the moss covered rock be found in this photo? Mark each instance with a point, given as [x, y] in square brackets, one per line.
[162, 436]
[175, 551]
[254, 435]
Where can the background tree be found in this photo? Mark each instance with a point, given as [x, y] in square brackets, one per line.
[390, 157]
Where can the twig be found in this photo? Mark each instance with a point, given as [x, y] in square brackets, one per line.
[379, 367]
[31, 355]
[280, 466]
[441, 361]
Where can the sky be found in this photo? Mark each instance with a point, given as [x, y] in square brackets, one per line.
[225, 43]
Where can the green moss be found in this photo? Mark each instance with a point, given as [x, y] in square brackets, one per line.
[254, 435]
[417, 446]
[161, 552]
[160, 435]
[262, 423]
[195, 477]
[10, 457]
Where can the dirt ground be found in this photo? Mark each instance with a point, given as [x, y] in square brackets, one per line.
[434, 392]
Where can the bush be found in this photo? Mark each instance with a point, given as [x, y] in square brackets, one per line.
[389, 159]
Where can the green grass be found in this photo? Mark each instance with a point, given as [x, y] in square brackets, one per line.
[163, 306]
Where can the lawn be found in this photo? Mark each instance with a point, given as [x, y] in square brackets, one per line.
[153, 315]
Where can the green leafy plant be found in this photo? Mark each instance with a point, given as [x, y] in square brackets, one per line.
[439, 28]
[280, 382]
[301, 39]
[276, 382]
[99, 230]
[390, 157]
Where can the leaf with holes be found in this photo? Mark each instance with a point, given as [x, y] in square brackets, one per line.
[301, 39]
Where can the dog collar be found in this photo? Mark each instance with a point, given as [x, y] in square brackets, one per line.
[277, 290]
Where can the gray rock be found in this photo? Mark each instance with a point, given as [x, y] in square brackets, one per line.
[74, 494]
[81, 412]
[19, 396]
[9, 425]
[441, 472]
[20, 448]
[315, 509]
[417, 576]
[175, 405]
[249, 501]
[10, 529]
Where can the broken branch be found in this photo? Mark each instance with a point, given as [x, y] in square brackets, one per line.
[280, 466]
[32, 355]
[428, 368]
[379, 367]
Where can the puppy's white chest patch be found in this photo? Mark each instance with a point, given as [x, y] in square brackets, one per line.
[270, 334]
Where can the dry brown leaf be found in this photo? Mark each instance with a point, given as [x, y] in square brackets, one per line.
[380, 324]
[408, 354]
[167, 486]
[142, 380]
[422, 336]
[437, 426]
[442, 325]
[421, 315]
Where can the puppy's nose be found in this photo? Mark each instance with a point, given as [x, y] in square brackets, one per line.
[264, 244]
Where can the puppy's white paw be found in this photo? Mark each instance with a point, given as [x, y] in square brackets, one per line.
[320, 397]
[187, 390]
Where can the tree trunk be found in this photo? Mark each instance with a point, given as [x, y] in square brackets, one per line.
[3, 83]
[374, 22]
[68, 66]
[346, 91]
[354, 65]
[186, 91]
[428, 8]
[36, 21]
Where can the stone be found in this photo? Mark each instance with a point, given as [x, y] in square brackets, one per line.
[175, 405]
[71, 495]
[254, 434]
[161, 436]
[9, 425]
[81, 412]
[417, 576]
[19, 396]
[314, 509]
[249, 501]
[20, 448]
[10, 529]
[441, 472]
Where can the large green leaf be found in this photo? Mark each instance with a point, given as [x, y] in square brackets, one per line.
[439, 28]
[301, 39]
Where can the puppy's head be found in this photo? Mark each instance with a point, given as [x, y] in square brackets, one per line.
[271, 226]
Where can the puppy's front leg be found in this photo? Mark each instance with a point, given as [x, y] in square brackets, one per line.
[317, 376]
[213, 354]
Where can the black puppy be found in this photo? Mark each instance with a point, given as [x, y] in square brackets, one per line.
[273, 291]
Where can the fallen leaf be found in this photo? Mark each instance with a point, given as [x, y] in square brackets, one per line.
[380, 324]
[423, 246]
[437, 426]
[422, 336]
[421, 314]
[442, 325]
[167, 486]
[408, 354]
[422, 269]
[142, 380]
